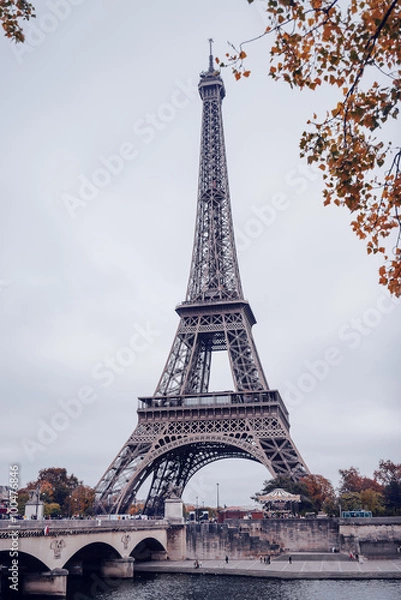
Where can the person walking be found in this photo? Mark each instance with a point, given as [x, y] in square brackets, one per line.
[290, 560]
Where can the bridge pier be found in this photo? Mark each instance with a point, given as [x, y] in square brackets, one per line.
[122, 568]
[47, 583]
[177, 542]
[158, 555]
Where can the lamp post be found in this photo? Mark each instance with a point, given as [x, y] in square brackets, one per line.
[217, 497]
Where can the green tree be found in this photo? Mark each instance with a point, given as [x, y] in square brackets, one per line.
[350, 501]
[389, 474]
[354, 48]
[307, 503]
[23, 497]
[392, 498]
[373, 501]
[12, 12]
[52, 510]
[280, 482]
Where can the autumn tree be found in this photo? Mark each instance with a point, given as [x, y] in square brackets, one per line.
[12, 12]
[353, 47]
[360, 492]
[320, 490]
[55, 487]
[136, 508]
[353, 481]
[388, 472]
[81, 501]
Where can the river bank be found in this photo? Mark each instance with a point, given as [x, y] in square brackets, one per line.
[281, 568]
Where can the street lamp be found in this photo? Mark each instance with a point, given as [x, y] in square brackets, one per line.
[217, 497]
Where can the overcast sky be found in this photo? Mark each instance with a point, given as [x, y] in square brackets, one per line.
[99, 144]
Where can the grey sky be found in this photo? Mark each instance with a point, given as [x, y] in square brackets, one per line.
[84, 267]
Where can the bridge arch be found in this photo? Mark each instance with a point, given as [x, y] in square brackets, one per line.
[148, 549]
[26, 560]
[90, 554]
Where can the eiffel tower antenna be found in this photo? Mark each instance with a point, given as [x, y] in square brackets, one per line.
[211, 54]
[184, 426]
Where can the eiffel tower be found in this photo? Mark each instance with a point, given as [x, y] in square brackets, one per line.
[184, 426]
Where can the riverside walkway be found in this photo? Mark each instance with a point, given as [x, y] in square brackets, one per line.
[317, 567]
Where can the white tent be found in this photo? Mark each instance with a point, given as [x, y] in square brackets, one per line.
[278, 495]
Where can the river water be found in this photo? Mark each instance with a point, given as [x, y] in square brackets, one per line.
[211, 587]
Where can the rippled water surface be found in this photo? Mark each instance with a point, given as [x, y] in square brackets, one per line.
[210, 587]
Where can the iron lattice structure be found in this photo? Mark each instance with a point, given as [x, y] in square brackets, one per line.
[183, 426]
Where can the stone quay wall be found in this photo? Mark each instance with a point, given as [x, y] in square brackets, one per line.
[250, 539]
[376, 537]
[241, 539]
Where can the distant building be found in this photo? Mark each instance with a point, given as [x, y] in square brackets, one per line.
[4, 500]
[239, 512]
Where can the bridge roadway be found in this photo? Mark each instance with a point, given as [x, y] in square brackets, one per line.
[55, 543]
[37, 556]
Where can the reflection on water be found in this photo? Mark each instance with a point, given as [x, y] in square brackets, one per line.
[210, 587]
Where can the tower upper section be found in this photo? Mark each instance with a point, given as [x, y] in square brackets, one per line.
[214, 274]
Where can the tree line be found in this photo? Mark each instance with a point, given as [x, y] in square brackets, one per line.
[65, 495]
[381, 494]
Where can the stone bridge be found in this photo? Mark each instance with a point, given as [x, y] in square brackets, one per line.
[45, 552]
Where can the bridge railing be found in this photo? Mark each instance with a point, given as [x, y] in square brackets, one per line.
[28, 528]
[270, 397]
